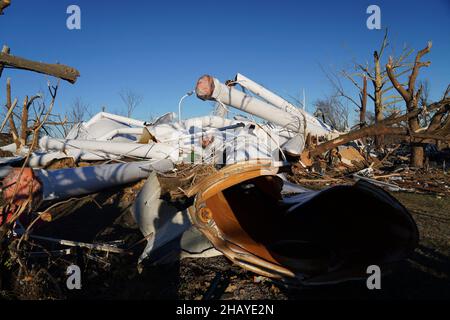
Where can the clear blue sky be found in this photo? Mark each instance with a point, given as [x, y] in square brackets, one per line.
[160, 48]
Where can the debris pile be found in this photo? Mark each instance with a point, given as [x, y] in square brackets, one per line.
[219, 185]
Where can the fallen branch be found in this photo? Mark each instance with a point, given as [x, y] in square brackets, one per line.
[382, 128]
[3, 5]
[5, 49]
[8, 114]
[56, 70]
[374, 130]
[389, 186]
[92, 246]
[316, 180]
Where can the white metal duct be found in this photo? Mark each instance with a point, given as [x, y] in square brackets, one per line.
[209, 88]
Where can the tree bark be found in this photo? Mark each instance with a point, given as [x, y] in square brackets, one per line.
[378, 84]
[417, 151]
[362, 112]
[417, 155]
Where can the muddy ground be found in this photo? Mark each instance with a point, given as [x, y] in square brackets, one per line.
[426, 275]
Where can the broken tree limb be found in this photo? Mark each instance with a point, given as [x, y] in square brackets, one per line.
[24, 122]
[390, 186]
[436, 120]
[427, 138]
[56, 70]
[5, 49]
[380, 128]
[8, 114]
[3, 5]
[418, 64]
[9, 106]
[445, 129]
[91, 246]
[317, 180]
[24, 132]
[375, 130]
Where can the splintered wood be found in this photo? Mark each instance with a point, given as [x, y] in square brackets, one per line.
[185, 176]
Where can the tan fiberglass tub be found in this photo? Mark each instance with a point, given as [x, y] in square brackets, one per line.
[315, 237]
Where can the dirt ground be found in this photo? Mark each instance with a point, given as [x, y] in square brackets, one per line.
[426, 275]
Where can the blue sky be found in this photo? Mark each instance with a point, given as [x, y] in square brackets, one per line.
[160, 48]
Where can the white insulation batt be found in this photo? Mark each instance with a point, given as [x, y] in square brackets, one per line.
[71, 182]
[150, 150]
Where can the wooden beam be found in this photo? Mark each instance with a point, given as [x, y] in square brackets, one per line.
[56, 70]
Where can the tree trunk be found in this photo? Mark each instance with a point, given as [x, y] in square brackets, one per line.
[417, 151]
[378, 84]
[411, 98]
[362, 111]
[417, 155]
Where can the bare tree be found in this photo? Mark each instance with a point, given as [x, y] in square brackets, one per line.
[412, 99]
[27, 124]
[78, 111]
[437, 131]
[380, 97]
[131, 100]
[14, 121]
[333, 112]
